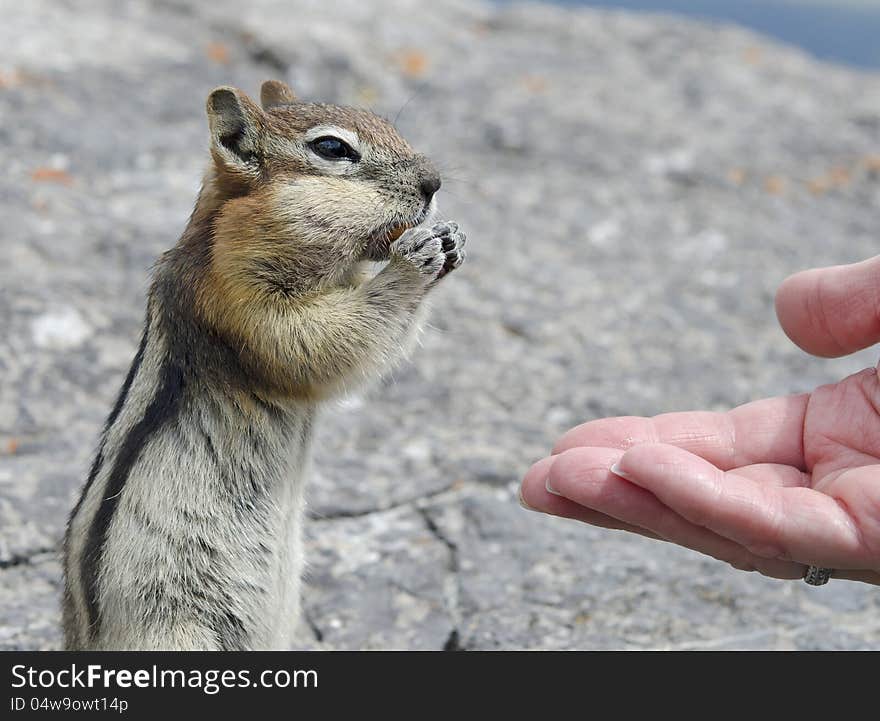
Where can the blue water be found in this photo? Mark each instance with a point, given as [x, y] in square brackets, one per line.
[843, 32]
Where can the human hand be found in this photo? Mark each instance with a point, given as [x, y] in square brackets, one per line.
[773, 485]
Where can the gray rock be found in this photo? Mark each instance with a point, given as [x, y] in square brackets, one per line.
[633, 188]
[398, 568]
[29, 597]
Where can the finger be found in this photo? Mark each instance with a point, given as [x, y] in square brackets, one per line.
[833, 311]
[765, 431]
[872, 577]
[583, 476]
[775, 474]
[534, 496]
[769, 520]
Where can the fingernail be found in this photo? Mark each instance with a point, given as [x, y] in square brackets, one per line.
[522, 502]
[615, 469]
[550, 488]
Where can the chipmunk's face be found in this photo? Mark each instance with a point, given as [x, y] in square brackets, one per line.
[323, 176]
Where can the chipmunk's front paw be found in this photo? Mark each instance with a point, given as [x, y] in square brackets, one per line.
[434, 251]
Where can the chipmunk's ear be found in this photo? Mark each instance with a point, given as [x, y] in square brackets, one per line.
[236, 124]
[274, 92]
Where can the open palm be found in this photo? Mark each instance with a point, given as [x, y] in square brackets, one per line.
[771, 486]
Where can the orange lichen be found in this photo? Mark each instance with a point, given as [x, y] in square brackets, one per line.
[871, 163]
[775, 185]
[413, 63]
[45, 174]
[737, 176]
[753, 55]
[218, 53]
[534, 83]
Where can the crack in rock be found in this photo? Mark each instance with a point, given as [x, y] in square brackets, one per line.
[261, 53]
[25, 559]
[256, 50]
[452, 643]
[452, 585]
[313, 626]
[360, 513]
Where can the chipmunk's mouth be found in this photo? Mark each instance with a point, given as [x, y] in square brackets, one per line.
[379, 245]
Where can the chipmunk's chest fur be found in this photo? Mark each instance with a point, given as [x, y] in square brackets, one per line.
[192, 515]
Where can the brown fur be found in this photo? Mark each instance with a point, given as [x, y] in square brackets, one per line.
[286, 240]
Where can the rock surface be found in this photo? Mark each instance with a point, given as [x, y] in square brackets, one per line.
[634, 188]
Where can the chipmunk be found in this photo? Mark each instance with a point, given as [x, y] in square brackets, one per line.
[188, 532]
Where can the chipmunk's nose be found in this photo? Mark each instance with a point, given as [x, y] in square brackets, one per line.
[430, 184]
[427, 177]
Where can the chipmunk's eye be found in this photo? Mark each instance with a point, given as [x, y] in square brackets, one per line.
[331, 148]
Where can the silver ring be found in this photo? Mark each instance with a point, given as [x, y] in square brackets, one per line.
[816, 576]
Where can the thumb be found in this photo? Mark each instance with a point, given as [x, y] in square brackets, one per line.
[832, 312]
